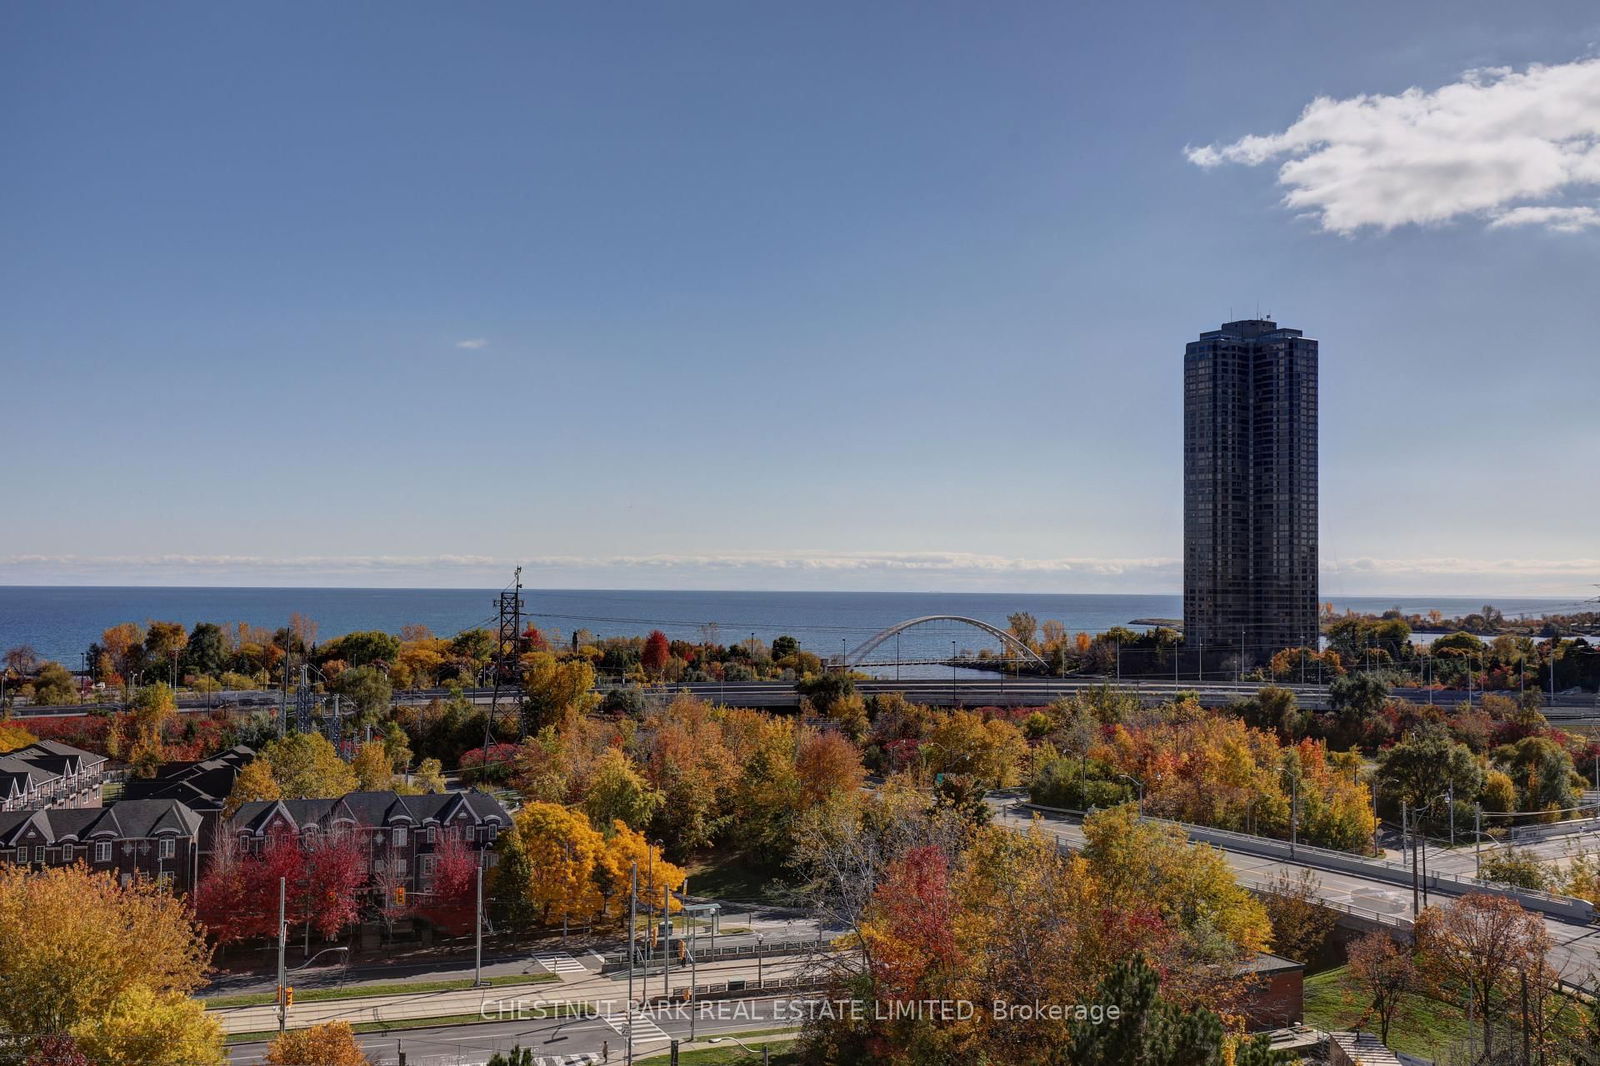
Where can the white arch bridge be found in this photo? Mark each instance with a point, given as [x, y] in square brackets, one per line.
[860, 655]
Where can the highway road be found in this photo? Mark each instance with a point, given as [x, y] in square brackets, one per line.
[1575, 951]
[963, 691]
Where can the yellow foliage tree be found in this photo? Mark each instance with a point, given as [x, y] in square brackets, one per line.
[1190, 885]
[13, 736]
[329, 1044]
[374, 769]
[255, 782]
[73, 943]
[143, 1027]
[306, 766]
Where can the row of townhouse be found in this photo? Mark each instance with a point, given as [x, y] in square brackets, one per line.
[401, 834]
[48, 775]
[154, 839]
[168, 841]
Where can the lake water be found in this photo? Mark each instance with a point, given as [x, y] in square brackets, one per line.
[60, 622]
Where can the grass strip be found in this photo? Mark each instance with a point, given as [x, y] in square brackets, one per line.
[393, 988]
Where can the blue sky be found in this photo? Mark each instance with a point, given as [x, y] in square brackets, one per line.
[783, 296]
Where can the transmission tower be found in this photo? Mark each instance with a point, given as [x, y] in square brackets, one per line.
[507, 651]
[303, 701]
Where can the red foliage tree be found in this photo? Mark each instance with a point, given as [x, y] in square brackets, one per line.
[237, 899]
[911, 925]
[450, 901]
[58, 1049]
[657, 652]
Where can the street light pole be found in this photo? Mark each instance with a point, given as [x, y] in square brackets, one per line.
[283, 932]
[477, 932]
[633, 933]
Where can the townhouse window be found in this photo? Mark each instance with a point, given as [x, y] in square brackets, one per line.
[66, 853]
[494, 830]
[168, 847]
[433, 834]
[400, 836]
[425, 865]
[400, 868]
[102, 851]
[38, 853]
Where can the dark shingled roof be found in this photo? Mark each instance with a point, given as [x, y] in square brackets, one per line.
[373, 809]
[128, 819]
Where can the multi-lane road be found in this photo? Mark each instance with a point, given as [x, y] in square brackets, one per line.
[995, 691]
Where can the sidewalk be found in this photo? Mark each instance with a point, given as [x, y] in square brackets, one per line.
[504, 1002]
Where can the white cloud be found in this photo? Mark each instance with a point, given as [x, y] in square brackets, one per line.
[948, 571]
[1560, 219]
[1499, 144]
[474, 344]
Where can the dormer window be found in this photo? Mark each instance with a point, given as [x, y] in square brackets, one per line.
[400, 836]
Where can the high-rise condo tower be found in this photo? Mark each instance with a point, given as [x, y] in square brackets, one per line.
[1250, 491]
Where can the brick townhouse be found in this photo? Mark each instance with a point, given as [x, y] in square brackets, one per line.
[49, 774]
[154, 839]
[405, 831]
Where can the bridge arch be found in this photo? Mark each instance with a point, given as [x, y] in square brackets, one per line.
[859, 653]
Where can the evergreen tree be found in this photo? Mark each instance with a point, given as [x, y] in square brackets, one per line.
[1148, 1031]
[509, 907]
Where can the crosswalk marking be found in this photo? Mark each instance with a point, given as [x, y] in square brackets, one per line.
[645, 1029]
[559, 962]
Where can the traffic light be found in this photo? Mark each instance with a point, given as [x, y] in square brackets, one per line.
[288, 996]
[400, 896]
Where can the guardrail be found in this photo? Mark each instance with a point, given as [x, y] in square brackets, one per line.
[1564, 907]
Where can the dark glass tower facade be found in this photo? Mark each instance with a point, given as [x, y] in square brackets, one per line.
[1250, 490]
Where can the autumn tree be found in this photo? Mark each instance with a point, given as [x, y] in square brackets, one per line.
[56, 1049]
[1300, 923]
[82, 955]
[373, 767]
[328, 1044]
[255, 781]
[1190, 885]
[306, 766]
[143, 1027]
[1480, 945]
[555, 691]
[1385, 972]
[152, 707]
[617, 792]
[53, 685]
[13, 736]
[449, 898]
[656, 654]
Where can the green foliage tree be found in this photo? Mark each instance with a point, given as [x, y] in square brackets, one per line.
[1146, 1030]
[205, 655]
[1357, 697]
[54, 685]
[368, 689]
[1426, 763]
[827, 689]
[363, 648]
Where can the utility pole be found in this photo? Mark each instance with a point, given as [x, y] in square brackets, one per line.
[477, 932]
[1294, 814]
[1477, 840]
[633, 934]
[283, 934]
[1451, 793]
[1405, 844]
[666, 944]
